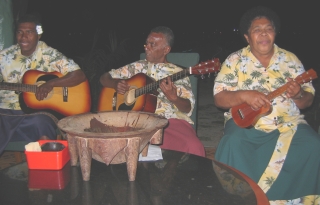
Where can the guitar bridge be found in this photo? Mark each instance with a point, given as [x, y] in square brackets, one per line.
[114, 101]
[65, 94]
[240, 114]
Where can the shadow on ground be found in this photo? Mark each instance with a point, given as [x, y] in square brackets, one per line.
[210, 118]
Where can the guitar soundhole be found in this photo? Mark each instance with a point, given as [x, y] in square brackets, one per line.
[46, 78]
[123, 106]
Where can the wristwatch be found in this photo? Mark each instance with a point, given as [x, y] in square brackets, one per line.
[301, 95]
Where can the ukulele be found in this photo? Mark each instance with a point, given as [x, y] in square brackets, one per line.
[244, 116]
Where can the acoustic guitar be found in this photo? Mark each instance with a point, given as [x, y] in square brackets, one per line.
[142, 94]
[62, 100]
[244, 116]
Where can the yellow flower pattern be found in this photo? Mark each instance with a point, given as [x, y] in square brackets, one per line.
[242, 71]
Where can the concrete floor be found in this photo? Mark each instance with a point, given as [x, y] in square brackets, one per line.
[210, 118]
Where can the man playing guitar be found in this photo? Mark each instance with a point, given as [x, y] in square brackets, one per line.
[31, 54]
[174, 100]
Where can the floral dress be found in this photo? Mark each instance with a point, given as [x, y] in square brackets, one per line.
[242, 71]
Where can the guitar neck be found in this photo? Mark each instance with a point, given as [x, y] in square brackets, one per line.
[18, 87]
[277, 92]
[303, 78]
[155, 85]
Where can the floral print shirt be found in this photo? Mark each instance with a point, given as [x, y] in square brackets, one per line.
[157, 72]
[242, 71]
[13, 65]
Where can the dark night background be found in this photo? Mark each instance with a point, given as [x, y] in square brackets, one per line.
[100, 35]
[206, 27]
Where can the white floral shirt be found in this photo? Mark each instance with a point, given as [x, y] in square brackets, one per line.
[13, 65]
[159, 71]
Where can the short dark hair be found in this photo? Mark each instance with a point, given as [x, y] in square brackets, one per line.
[32, 18]
[167, 32]
[258, 12]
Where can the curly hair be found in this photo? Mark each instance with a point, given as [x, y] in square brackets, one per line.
[167, 32]
[258, 12]
[32, 18]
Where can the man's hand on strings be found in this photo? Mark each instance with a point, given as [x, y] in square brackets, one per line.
[43, 91]
[169, 89]
[122, 87]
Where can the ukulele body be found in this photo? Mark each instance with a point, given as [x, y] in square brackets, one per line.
[246, 117]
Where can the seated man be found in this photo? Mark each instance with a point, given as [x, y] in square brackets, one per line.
[31, 54]
[281, 152]
[175, 100]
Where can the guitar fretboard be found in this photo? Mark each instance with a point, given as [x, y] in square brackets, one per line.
[277, 92]
[155, 85]
[303, 78]
[18, 87]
